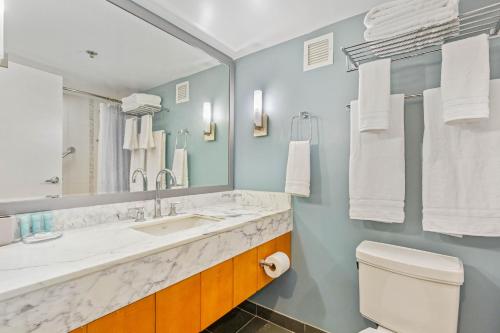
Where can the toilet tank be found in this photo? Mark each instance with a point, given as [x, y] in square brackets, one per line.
[407, 290]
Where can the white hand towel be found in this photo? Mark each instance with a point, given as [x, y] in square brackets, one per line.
[298, 169]
[374, 95]
[130, 141]
[461, 170]
[142, 99]
[180, 168]
[465, 79]
[377, 168]
[155, 159]
[137, 161]
[146, 139]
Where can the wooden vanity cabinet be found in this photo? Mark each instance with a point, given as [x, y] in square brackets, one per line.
[178, 307]
[138, 317]
[195, 303]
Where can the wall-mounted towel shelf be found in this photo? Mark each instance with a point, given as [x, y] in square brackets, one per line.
[425, 41]
[407, 97]
[143, 110]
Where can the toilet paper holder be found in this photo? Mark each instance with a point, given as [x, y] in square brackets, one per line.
[263, 263]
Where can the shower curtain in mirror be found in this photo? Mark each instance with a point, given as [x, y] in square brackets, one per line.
[113, 161]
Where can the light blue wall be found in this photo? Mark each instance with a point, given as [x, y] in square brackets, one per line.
[208, 160]
[321, 289]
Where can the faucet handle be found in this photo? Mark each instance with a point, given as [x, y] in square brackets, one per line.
[173, 208]
[137, 214]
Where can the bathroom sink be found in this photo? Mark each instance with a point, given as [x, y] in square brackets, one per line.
[168, 225]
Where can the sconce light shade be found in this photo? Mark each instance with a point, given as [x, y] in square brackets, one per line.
[208, 125]
[259, 117]
[207, 116]
[2, 23]
[257, 108]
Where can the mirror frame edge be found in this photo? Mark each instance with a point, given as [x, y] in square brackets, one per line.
[76, 201]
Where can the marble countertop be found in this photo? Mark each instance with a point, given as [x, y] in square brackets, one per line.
[28, 267]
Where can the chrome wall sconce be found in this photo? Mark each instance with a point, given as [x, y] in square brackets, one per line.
[260, 119]
[208, 124]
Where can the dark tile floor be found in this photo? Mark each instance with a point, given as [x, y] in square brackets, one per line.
[249, 317]
[241, 321]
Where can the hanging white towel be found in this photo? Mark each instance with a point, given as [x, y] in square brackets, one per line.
[180, 168]
[377, 168]
[298, 169]
[137, 161]
[146, 139]
[374, 95]
[461, 170]
[130, 139]
[465, 79]
[155, 159]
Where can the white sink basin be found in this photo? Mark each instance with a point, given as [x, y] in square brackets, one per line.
[168, 225]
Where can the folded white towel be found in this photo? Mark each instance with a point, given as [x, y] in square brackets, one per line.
[130, 138]
[137, 161]
[374, 95]
[146, 139]
[155, 159]
[298, 169]
[407, 17]
[465, 79]
[377, 168]
[142, 99]
[460, 173]
[180, 168]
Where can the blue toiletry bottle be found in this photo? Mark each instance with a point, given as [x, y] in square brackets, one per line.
[36, 223]
[48, 221]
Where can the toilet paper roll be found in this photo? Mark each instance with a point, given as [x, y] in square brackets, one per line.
[278, 263]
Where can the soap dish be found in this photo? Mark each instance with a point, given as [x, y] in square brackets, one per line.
[41, 237]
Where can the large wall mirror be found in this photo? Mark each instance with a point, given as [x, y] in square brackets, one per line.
[94, 93]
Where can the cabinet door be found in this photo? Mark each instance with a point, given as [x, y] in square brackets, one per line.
[263, 251]
[138, 317]
[284, 244]
[178, 307]
[216, 292]
[246, 268]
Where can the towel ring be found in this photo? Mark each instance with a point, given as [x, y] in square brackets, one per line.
[182, 132]
[303, 116]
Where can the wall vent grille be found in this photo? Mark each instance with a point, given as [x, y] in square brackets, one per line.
[318, 52]
[182, 92]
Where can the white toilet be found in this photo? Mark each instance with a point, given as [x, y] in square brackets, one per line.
[408, 291]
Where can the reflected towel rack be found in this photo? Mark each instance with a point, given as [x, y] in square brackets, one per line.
[426, 40]
[184, 133]
[407, 97]
[305, 117]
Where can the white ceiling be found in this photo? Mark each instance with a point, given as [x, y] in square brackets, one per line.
[240, 27]
[133, 56]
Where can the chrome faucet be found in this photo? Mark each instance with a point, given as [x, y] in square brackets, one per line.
[144, 178]
[158, 188]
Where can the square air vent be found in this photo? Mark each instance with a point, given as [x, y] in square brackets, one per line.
[182, 92]
[318, 52]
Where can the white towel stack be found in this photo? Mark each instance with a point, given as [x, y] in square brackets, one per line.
[138, 101]
[298, 169]
[377, 168]
[398, 17]
[465, 79]
[460, 173]
[374, 95]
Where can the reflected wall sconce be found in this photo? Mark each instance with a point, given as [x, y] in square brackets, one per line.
[260, 119]
[208, 124]
[3, 56]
